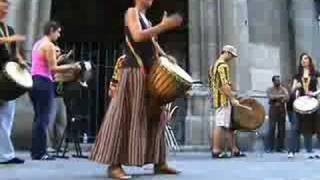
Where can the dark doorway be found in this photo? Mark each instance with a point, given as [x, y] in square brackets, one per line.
[94, 30]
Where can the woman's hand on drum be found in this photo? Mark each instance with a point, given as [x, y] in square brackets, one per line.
[23, 64]
[171, 22]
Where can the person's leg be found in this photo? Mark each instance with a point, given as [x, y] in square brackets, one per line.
[51, 134]
[223, 123]
[43, 97]
[271, 131]
[281, 123]
[7, 154]
[61, 121]
[307, 137]
[293, 139]
[217, 136]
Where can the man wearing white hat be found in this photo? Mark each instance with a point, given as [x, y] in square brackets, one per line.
[223, 98]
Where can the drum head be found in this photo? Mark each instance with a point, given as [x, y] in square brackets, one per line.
[175, 68]
[20, 75]
[88, 71]
[306, 104]
[246, 120]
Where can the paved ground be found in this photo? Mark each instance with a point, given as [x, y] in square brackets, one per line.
[196, 166]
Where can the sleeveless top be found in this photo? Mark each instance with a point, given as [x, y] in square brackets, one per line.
[7, 51]
[146, 49]
[40, 65]
[312, 85]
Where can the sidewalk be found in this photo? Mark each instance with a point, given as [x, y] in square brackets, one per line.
[197, 166]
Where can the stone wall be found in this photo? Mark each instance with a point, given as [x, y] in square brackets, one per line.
[259, 29]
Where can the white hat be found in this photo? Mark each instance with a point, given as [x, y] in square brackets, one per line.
[231, 50]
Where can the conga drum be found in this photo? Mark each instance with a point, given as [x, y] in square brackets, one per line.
[248, 120]
[168, 81]
[15, 80]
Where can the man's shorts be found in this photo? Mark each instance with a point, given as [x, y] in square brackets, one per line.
[223, 116]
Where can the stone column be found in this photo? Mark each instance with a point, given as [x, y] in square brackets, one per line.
[32, 24]
[194, 38]
[44, 15]
[203, 50]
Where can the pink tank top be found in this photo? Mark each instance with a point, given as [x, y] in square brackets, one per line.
[40, 63]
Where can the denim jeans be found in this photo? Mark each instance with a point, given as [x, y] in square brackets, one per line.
[294, 135]
[7, 111]
[42, 97]
[294, 139]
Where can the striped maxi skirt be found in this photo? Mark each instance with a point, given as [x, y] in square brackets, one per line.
[131, 133]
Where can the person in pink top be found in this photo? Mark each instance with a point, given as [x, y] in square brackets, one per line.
[44, 65]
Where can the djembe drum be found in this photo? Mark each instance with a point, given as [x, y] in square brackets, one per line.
[168, 81]
[306, 105]
[15, 80]
[245, 119]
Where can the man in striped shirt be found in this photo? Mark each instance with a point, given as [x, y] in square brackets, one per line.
[220, 87]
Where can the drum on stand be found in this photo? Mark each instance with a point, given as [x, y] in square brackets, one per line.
[70, 77]
[306, 105]
[15, 80]
[248, 120]
[168, 81]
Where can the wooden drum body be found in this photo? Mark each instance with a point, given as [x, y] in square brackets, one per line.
[167, 81]
[246, 120]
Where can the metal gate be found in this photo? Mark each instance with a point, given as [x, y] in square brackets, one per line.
[102, 56]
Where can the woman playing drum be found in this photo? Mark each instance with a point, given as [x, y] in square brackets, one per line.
[305, 83]
[131, 133]
[44, 64]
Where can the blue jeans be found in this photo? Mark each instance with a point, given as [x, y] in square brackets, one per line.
[294, 139]
[294, 135]
[7, 111]
[307, 138]
[42, 97]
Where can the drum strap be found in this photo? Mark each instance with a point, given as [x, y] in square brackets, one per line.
[5, 33]
[138, 58]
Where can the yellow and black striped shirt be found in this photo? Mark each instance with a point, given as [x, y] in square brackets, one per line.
[219, 75]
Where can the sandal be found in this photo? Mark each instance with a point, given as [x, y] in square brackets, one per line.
[219, 155]
[238, 154]
[165, 169]
[117, 173]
